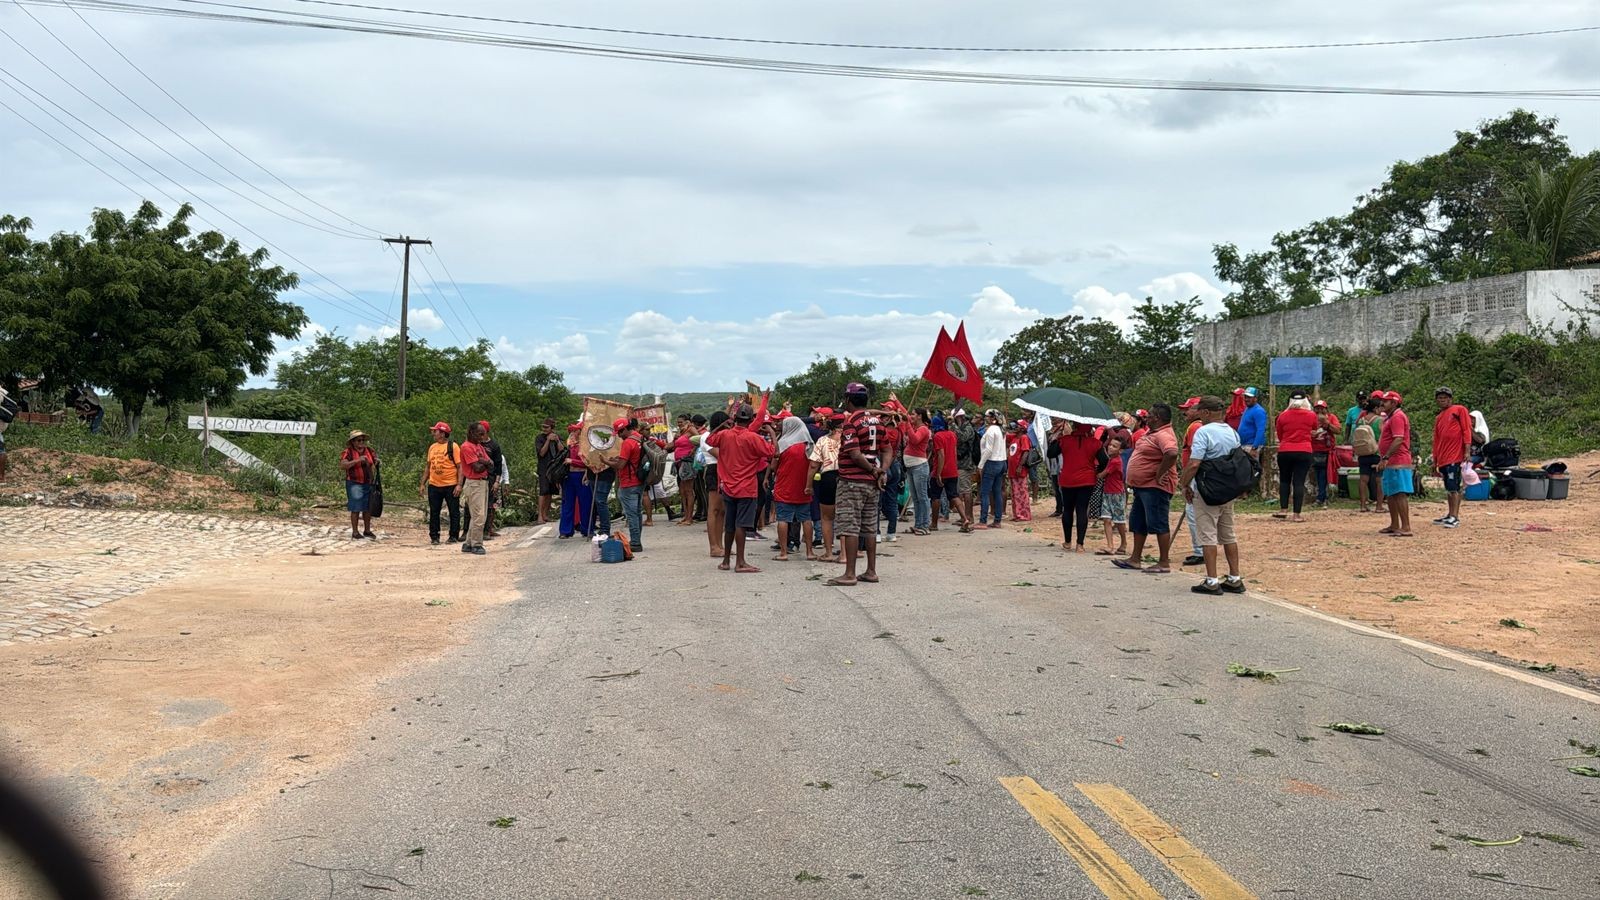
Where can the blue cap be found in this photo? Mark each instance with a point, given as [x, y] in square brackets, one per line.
[1251, 392]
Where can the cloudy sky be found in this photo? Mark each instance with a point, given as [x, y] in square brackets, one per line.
[648, 227]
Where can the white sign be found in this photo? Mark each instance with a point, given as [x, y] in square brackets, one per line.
[238, 454]
[254, 426]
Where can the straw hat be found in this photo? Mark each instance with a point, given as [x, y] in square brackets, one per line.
[358, 433]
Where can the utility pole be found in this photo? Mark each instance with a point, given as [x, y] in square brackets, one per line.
[405, 297]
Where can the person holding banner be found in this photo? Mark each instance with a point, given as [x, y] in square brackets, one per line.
[576, 493]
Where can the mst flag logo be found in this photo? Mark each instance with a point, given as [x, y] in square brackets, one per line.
[952, 366]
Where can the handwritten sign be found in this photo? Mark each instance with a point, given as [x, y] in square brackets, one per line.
[238, 454]
[254, 426]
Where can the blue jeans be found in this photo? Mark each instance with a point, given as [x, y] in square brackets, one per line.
[992, 490]
[633, 510]
[602, 500]
[889, 500]
[576, 495]
[923, 517]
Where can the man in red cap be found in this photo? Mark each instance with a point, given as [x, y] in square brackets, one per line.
[473, 489]
[441, 472]
[1395, 461]
[742, 455]
[630, 490]
[498, 478]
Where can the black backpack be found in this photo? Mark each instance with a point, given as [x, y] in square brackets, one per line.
[1502, 453]
[1225, 478]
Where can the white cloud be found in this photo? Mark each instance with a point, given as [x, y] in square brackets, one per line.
[1095, 301]
[424, 320]
[871, 295]
[382, 332]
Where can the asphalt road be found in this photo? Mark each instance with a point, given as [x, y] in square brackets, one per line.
[662, 729]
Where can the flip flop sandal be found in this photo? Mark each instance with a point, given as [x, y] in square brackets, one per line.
[1157, 570]
[1124, 564]
[1104, 552]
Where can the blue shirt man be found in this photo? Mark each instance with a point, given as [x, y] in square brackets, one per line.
[1253, 425]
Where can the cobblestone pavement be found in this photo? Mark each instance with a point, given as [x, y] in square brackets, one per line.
[58, 565]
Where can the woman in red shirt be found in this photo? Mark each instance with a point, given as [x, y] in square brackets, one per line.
[1323, 439]
[1018, 444]
[360, 466]
[1077, 448]
[1295, 426]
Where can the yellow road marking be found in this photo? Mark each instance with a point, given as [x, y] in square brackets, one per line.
[1109, 872]
[1196, 869]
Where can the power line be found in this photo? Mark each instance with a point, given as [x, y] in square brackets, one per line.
[213, 132]
[942, 49]
[948, 76]
[481, 330]
[151, 141]
[135, 157]
[342, 305]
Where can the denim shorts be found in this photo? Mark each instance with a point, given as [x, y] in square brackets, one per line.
[793, 513]
[1152, 511]
[1452, 478]
[357, 496]
[1397, 481]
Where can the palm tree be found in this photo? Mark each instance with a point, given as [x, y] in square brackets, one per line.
[1554, 215]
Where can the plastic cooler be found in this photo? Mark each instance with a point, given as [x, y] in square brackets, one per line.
[1347, 481]
[1532, 484]
[1559, 485]
[1479, 491]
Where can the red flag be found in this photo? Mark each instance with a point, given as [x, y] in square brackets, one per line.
[964, 368]
[934, 370]
[761, 414]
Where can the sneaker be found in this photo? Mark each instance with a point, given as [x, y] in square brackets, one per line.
[478, 551]
[454, 540]
[1233, 584]
[1209, 586]
[1451, 522]
[434, 541]
[1441, 520]
[466, 548]
[889, 539]
[1194, 559]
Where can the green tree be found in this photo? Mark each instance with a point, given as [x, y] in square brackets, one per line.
[1067, 351]
[146, 309]
[1439, 218]
[823, 383]
[333, 367]
[1163, 333]
[1554, 215]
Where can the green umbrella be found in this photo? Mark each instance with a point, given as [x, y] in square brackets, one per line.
[1075, 406]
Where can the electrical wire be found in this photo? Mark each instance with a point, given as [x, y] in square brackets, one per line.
[484, 332]
[151, 141]
[939, 49]
[949, 76]
[212, 131]
[4, 73]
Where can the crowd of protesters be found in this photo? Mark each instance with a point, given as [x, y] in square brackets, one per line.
[835, 483]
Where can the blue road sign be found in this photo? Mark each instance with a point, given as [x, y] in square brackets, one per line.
[1296, 371]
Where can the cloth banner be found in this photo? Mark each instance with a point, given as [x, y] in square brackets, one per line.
[599, 442]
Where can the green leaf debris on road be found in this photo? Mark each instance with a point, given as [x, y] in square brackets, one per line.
[805, 877]
[503, 822]
[1354, 728]
[1585, 771]
[1244, 671]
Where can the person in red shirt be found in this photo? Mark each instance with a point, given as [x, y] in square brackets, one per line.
[1452, 445]
[1295, 425]
[791, 486]
[1152, 472]
[1075, 444]
[742, 455]
[1395, 462]
[1323, 440]
[360, 466]
[1017, 445]
[630, 491]
[918, 449]
[473, 488]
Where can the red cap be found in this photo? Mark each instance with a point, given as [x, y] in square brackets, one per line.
[1238, 392]
[1142, 413]
[484, 424]
[1392, 396]
[442, 426]
[574, 427]
[1190, 403]
[823, 411]
[619, 424]
[1321, 403]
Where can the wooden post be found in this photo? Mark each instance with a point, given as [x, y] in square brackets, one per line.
[302, 455]
[205, 430]
[1269, 461]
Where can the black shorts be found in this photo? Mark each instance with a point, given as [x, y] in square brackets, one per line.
[950, 487]
[740, 512]
[827, 488]
[550, 479]
[1452, 478]
[711, 477]
[1368, 465]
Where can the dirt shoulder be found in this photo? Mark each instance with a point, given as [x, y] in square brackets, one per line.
[1535, 562]
[205, 697]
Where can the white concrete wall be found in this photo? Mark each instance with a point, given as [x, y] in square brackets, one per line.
[1486, 308]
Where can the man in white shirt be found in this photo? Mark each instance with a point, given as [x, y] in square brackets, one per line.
[992, 468]
[1213, 440]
